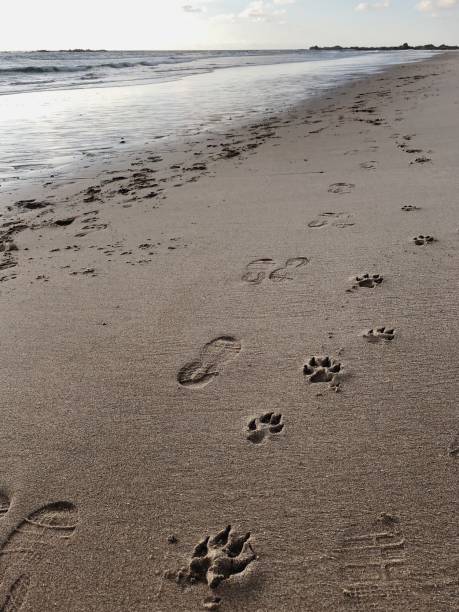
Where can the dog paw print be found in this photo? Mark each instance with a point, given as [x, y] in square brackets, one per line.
[217, 559]
[322, 370]
[370, 281]
[379, 333]
[410, 208]
[422, 240]
[264, 427]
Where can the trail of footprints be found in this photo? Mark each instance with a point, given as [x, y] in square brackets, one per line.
[21, 553]
[372, 561]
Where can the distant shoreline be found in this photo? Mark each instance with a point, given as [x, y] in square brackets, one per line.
[404, 47]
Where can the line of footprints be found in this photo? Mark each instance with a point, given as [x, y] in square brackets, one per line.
[24, 548]
[228, 553]
[216, 559]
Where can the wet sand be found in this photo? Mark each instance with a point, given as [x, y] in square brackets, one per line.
[258, 331]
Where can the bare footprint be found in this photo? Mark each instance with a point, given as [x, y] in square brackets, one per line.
[287, 272]
[41, 530]
[17, 594]
[213, 355]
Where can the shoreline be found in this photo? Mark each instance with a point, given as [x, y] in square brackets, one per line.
[112, 153]
[249, 267]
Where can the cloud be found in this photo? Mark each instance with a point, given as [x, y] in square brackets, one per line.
[224, 18]
[259, 10]
[431, 6]
[363, 7]
[189, 8]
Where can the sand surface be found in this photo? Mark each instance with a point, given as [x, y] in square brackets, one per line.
[151, 324]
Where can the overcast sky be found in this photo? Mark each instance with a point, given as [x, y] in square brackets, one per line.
[222, 24]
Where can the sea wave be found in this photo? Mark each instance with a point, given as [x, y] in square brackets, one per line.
[77, 68]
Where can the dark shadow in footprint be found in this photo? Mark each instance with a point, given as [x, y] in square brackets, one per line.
[213, 356]
[218, 558]
[370, 281]
[4, 503]
[421, 160]
[318, 223]
[422, 240]
[369, 165]
[17, 594]
[410, 208]
[287, 272]
[322, 370]
[41, 529]
[264, 427]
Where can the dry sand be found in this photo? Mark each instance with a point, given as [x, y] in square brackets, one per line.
[144, 342]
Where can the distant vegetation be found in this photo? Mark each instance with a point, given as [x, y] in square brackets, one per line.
[403, 47]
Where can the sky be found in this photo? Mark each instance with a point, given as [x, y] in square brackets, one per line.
[225, 24]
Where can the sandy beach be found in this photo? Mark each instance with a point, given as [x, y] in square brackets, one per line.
[229, 372]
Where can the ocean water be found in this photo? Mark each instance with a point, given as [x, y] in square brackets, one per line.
[58, 107]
